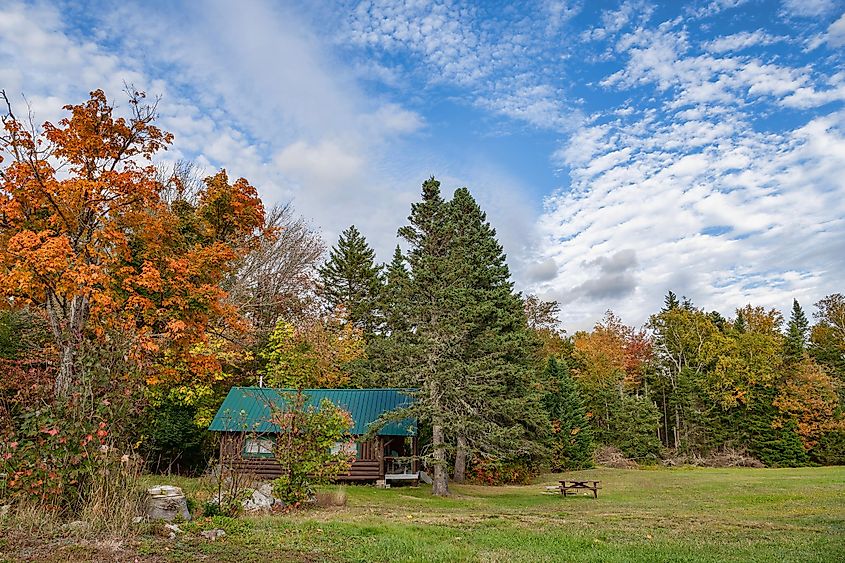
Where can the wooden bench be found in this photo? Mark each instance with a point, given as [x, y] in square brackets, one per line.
[571, 488]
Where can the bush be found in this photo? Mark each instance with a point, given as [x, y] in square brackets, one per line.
[831, 449]
[304, 447]
[54, 457]
[173, 442]
[492, 471]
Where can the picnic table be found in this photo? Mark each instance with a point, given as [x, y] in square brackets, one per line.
[568, 487]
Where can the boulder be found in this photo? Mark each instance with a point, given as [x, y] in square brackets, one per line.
[261, 500]
[166, 502]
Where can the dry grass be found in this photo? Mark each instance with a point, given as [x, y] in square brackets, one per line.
[101, 529]
[337, 497]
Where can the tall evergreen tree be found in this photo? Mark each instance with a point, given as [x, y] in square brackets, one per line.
[394, 295]
[796, 334]
[502, 415]
[425, 345]
[385, 359]
[572, 437]
[670, 302]
[466, 344]
[351, 279]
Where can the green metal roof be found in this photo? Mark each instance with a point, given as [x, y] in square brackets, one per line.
[248, 408]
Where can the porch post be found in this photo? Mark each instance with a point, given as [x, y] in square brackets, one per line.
[380, 445]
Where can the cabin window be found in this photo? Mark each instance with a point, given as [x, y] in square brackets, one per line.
[348, 448]
[258, 447]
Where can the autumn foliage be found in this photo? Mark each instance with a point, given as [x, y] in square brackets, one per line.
[92, 234]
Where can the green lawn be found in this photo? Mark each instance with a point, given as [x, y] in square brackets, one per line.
[641, 515]
[658, 515]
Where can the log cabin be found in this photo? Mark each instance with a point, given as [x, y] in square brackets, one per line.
[247, 434]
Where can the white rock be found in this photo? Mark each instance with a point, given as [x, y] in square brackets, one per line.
[258, 501]
[166, 502]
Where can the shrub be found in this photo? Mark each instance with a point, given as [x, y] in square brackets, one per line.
[53, 457]
[307, 446]
[493, 471]
[173, 442]
[831, 449]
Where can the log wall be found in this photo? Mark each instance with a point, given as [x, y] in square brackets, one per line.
[369, 465]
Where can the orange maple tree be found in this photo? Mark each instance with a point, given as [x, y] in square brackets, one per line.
[88, 236]
[612, 354]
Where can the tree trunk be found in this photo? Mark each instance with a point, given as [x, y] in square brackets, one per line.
[65, 375]
[440, 479]
[460, 460]
[67, 327]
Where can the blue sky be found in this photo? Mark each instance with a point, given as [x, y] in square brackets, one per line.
[621, 148]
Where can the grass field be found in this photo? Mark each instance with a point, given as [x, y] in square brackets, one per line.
[641, 515]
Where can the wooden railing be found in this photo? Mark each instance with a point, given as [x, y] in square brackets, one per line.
[399, 465]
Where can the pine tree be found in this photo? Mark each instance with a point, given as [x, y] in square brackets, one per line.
[670, 302]
[572, 437]
[502, 413]
[425, 346]
[796, 334]
[351, 279]
[466, 343]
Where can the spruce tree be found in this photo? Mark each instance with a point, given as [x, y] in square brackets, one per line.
[670, 302]
[502, 414]
[351, 279]
[572, 437]
[796, 334]
[394, 295]
[424, 348]
[386, 358]
[464, 342]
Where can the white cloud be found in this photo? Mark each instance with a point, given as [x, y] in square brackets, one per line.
[808, 8]
[661, 57]
[836, 33]
[494, 63]
[248, 87]
[741, 40]
[712, 210]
